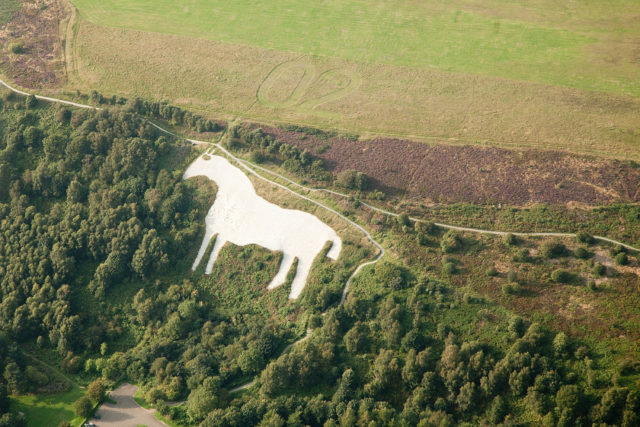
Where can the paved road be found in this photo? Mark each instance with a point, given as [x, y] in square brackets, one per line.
[125, 412]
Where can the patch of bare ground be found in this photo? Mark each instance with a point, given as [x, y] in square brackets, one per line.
[476, 174]
[37, 27]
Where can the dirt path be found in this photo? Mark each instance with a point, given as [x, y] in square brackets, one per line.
[125, 412]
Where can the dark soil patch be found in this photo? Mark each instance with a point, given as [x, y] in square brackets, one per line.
[451, 173]
[36, 27]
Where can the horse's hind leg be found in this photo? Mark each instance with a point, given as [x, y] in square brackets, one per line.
[281, 275]
[300, 279]
[217, 246]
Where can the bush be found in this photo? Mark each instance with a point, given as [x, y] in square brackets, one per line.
[599, 270]
[592, 286]
[561, 275]
[581, 253]
[552, 249]
[449, 268]
[426, 227]
[622, 259]
[491, 272]
[511, 288]
[30, 102]
[17, 47]
[509, 239]
[353, 180]
[512, 276]
[451, 242]
[256, 157]
[522, 255]
[403, 220]
[584, 237]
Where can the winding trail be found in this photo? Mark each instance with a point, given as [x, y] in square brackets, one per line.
[251, 168]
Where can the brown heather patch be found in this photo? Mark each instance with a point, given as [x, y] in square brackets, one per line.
[36, 26]
[453, 173]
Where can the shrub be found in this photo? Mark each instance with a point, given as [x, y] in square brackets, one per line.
[426, 227]
[512, 276]
[599, 270]
[403, 220]
[509, 239]
[622, 259]
[451, 242]
[256, 157]
[491, 272]
[616, 250]
[581, 253]
[449, 268]
[17, 47]
[511, 288]
[592, 286]
[30, 102]
[584, 237]
[552, 249]
[561, 275]
[522, 255]
[422, 239]
[353, 180]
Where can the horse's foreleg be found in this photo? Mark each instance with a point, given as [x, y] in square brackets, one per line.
[217, 247]
[281, 275]
[203, 248]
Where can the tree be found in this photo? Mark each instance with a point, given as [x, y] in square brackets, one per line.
[4, 399]
[96, 390]
[14, 378]
[569, 398]
[83, 407]
[346, 387]
[203, 399]
[150, 255]
[13, 420]
[355, 340]
[498, 410]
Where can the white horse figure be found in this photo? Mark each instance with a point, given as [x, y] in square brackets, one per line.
[240, 216]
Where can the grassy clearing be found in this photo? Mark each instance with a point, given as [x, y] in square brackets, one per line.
[49, 410]
[227, 80]
[8, 9]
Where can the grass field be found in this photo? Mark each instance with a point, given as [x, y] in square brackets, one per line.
[539, 41]
[48, 410]
[526, 74]
[8, 9]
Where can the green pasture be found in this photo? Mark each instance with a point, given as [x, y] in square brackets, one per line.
[46, 410]
[570, 45]
[8, 9]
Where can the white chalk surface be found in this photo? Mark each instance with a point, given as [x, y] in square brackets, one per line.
[240, 216]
